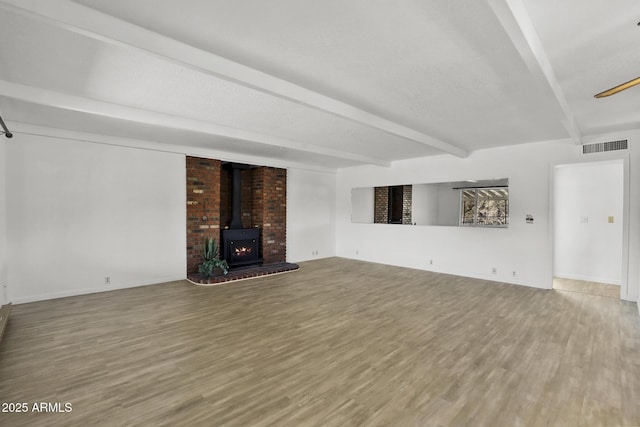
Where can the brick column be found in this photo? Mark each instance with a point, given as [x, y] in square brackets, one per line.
[381, 205]
[407, 196]
[269, 212]
[203, 207]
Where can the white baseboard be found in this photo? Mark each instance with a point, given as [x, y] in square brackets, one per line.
[76, 292]
[510, 281]
[311, 258]
[490, 277]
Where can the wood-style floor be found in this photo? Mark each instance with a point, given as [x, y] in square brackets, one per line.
[338, 343]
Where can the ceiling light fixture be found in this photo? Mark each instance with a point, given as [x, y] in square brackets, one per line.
[619, 88]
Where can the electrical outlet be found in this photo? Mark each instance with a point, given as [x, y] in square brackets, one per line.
[430, 262]
[356, 252]
[513, 273]
[494, 270]
[107, 280]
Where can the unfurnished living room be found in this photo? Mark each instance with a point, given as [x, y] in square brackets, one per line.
[310, 213]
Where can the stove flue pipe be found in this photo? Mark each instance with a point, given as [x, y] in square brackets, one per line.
[236, 195]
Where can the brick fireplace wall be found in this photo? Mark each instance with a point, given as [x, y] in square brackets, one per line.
[263, 205]
[203, 201]
[270, 212]
[381, 205]
[407, 196]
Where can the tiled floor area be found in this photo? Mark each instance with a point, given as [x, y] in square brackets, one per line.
[585, 287]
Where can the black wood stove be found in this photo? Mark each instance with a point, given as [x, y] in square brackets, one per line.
[240, 246]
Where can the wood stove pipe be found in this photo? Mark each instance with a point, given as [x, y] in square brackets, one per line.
[236, 210]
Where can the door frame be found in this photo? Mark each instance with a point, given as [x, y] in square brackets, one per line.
[595, 158]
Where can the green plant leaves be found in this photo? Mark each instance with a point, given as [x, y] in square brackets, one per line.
[211, 260]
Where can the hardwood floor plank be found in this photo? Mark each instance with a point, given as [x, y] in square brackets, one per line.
[340, 342]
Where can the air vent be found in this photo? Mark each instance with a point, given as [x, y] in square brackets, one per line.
[605, 146]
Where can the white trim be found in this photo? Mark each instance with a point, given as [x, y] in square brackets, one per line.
[106, 288]
[626, 209]
[486, 277]
[594, 158]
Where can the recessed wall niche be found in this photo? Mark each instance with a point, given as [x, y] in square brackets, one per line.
[263, 205]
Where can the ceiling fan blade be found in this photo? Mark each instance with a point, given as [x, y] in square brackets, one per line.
[619, 88]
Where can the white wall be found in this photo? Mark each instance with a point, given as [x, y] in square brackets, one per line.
[586, 245]
[362, 205]
[310, 215]
[78, 212]
[474, 251]
[3, 221]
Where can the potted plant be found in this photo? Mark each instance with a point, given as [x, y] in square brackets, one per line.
[212, 265]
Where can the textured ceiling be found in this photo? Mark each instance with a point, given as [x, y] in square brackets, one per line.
[403, 74]
[592, 47]
[411, 61]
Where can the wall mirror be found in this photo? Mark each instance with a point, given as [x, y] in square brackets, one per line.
[481, 203]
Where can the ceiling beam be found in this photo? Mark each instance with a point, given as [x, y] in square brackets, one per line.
[212, 153]
[515, 19]
[107, 109]
[92, 23]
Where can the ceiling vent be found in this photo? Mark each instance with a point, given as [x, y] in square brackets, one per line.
[605, 146]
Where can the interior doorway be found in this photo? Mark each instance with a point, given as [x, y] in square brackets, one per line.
[588, 216]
